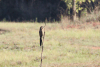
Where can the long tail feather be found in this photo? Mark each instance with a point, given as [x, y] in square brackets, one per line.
[40, 41]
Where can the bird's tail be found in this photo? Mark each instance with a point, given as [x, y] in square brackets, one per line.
[40, 41]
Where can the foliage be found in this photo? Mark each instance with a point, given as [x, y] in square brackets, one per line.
[69, 4]
[40, 10]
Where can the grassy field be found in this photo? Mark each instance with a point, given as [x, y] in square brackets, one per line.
[64, 45]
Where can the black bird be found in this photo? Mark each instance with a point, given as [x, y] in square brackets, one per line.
[42, 34]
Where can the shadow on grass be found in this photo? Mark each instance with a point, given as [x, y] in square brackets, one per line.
[3, 31]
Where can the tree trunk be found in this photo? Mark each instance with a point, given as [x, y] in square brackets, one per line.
[74, 10]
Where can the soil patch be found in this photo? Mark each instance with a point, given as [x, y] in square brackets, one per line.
[95, 47]
[95, 25]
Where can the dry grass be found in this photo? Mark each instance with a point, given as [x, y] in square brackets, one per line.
[66, 45]
[93, 17]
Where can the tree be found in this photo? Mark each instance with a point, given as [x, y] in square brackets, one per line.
[74, 10]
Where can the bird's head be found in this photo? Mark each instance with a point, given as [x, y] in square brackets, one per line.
[41, 27]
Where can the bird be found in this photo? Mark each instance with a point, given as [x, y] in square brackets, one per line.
[42, 34]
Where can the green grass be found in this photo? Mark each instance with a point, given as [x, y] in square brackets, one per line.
[62, 47]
